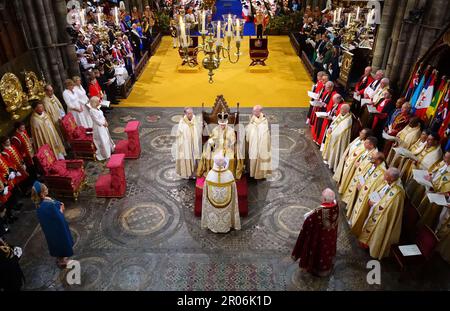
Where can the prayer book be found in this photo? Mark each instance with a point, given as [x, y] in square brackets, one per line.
[437, 198]
[321, 114]
[410, 250]
[370, 92]
[389, 137]
[313, 95]
[356, 96]
[405, 153]
[316, 103]
[372, 109]
[361, 180]
[105, 103]
[365, 101]
[419, 176]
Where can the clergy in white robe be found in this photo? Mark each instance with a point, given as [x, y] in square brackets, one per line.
[257, 137]
[44, 132]
[102, 139]
[74, 105]
[83, 99]
[220, 210]
[188, 144]
[338, 137]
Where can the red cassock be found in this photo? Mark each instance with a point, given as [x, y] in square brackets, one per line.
[333, 111]
[22, 142]
[316, 243]
[317, 126]
[5, 197]
[16, 162]
[5, 169]
[363, 82]
[383, 107]
[95, 90]
[317, 88]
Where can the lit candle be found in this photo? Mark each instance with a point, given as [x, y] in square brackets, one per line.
[116, 15]
[348, 19]
[218, 31]
[238, 28]
[334, 17]
[357, 14]
[99, 19]
[229, 25]
[339, 15]
[203, 21]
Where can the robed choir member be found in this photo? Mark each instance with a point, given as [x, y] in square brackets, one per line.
[257, 137]
[102, 139]
[397, 123]
[74, 106]
[352, 151]
[11, 275]
[50, 213]
[316, 88]
[369, 91]
[338, 138]
[440, 180]
[325, 99]
[316, 243]
[220, 210]
[380, 91]
[358, 158]
[44, 131]
[368, 178]
[222, 141]
[333, 109]
[360, 87]
[384, 108]
[53, 106]
[319, 90]
[382, 226]
[426, 159]
[411, 138]
[188, 145]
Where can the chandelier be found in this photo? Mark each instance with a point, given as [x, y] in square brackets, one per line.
[216, 42]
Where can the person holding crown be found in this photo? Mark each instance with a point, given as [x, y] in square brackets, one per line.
[221, 141]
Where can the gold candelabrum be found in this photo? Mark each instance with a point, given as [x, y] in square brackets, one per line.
[216, 42]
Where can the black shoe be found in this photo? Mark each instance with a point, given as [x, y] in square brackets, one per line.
[12, 219]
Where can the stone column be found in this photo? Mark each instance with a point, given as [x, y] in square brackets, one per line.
[384, 33]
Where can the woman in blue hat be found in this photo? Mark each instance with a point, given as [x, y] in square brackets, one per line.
[50, 213]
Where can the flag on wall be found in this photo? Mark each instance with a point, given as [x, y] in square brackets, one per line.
[419, 88]
[437, 98]
[425, 97]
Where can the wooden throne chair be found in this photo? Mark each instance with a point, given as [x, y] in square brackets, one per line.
[259, 51]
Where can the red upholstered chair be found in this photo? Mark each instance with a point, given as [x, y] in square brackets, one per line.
[63, 177]
[131, 147]
[242, 189]
[80, 141]
[114, 184]
[426, 241]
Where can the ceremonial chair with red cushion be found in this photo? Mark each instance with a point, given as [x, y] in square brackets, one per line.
[131, 147]
[426, 240]
[63, 177]
[81, 143]
[259, 51]
[114, 184]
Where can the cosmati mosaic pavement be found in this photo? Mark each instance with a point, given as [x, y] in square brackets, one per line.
[151, 240]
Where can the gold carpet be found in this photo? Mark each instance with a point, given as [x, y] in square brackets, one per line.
[161, 85]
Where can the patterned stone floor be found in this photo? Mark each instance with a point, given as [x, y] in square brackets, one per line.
[151, 240]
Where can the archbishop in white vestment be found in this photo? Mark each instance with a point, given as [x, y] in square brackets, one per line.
[75, 106]
[220, 210]
[102, 139]
[188, 145]
[257, 136]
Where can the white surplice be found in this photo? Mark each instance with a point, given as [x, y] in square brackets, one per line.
[73, 104]
[84, 102]
[102, 139]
